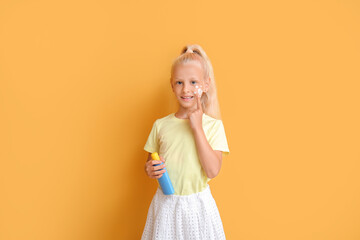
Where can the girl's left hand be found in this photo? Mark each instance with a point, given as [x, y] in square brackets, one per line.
[195, 116]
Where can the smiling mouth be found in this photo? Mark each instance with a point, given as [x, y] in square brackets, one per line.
[186, 98]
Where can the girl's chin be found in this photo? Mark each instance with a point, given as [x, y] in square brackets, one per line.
[187, 106]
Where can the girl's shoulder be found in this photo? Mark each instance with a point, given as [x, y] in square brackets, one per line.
[165, 118]
[210, 120]
[212, 124]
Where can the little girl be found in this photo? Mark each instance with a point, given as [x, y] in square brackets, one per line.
[191, 143]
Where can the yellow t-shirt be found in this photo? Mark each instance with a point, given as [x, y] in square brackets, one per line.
[173, 139]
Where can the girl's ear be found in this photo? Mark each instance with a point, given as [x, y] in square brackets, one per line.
[171, 83]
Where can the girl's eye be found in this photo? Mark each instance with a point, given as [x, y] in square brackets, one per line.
[178, 82]
[193, 82]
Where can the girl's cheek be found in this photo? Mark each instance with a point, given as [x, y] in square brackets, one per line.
[198, 90]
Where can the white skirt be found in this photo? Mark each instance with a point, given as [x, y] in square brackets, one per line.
[183, 217]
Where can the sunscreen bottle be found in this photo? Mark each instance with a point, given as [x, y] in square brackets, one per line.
[164, 181]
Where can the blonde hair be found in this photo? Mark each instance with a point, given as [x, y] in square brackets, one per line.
[209, 100]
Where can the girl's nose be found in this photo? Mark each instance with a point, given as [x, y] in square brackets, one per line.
[186, 88]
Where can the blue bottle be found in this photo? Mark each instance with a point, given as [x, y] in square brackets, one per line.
[164, 181]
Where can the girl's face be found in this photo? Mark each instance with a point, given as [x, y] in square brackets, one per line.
[188, 78]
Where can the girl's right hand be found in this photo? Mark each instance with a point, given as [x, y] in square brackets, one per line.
[155, 172]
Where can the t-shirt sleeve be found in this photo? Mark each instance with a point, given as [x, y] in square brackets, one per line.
[218, 139]
[152, 144]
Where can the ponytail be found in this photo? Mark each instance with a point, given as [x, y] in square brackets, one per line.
[209, 100]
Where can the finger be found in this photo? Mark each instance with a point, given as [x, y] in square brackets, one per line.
[153, 174]
[154, 177]
[158, 163]
[159, 176]
[162, 159]
[150, 164]
[153, 162]
[156, 168]
[159, 172]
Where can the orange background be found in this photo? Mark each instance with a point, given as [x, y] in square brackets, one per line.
[81, 83]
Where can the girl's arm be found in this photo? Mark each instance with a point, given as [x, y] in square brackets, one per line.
[210, 159]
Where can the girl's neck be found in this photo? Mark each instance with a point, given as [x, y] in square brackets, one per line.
[183, 113]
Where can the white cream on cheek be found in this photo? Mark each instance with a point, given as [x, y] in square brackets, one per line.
[199, 90]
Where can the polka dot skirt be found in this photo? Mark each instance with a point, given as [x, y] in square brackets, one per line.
[183, 217]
